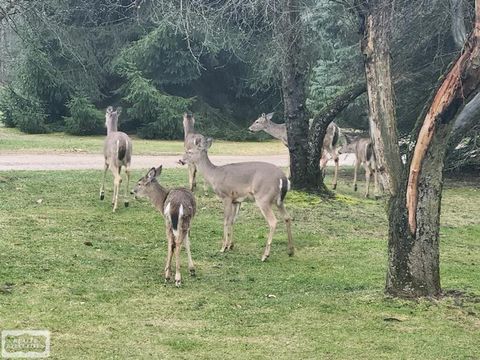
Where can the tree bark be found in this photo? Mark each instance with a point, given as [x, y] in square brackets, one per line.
[376, 16]
[294, 74]
[317, 134]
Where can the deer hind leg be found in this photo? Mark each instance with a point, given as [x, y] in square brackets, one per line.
[178, 247]
[228, 215]
[335, 176]
[127, 172]
[170, 249]
[355, 171]
[117, 183]
[368, 175]
[102, 188]
[191, 265]
[288, 223]
[267, 212]
[192, 172]
[375, 179]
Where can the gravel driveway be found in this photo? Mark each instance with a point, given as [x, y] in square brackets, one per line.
[16, 161]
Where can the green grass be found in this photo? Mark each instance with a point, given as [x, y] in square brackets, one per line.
[327, 302]
[12, 140]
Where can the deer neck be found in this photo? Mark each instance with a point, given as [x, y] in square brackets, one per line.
[111, 127]
[188, 127]
[207, 168]
[157, 195]
[278, 131]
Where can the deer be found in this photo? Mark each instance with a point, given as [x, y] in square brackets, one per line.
[189, 136]
[233, 183]
[364, 152]
[279, 131]
[117, 150]
[178, 208]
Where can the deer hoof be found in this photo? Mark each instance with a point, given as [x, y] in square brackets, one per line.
[265, 257]
[230, 246]
[102, 196]
[178, 283]
[355, 188]
[126, 203]
[377, 197]
[291, 252]
[334, 187]
[367, 196]
[192, 273]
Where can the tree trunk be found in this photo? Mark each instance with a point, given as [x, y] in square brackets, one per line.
[377, 17]
[414, 208]
[317, 134]
[294, 74]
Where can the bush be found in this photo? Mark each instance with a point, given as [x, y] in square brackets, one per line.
[27, 114]
[84, 118]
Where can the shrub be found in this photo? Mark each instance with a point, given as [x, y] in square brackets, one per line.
[27, 114]
[84, 118]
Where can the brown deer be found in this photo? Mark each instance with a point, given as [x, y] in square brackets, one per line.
[178, 208]
[279, 131]
[362, 147]
[189, 136]
[117, 150]
[233, 183]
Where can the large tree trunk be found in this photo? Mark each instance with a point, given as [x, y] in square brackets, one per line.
[317, 134]
[414, 209]
[294, 75]
[377, 19]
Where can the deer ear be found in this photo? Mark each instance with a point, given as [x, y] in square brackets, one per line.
[208, 142]
[158, 170]
[269, 116]
[119, 110]
[197, 141]
[151, 174]
[109, 109]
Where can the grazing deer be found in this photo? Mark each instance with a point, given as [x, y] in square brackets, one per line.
[178, 208]
[279, 131]
[233, 183]
[364, 155]
[117, 150]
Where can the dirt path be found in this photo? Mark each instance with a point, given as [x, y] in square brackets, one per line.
[14, 161]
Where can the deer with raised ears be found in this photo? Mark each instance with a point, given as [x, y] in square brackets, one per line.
[233, 183]
[279, 131]
[178, 208]
[362, 147]
[117, 150]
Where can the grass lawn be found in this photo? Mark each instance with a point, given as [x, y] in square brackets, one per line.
[109, 300]
[13, 140]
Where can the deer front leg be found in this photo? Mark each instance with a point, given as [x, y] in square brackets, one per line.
[233, 218]
[127, 172]
[191, 266]
[102, 188]
[268, 214]
[170, 248]
[227, 221]
[375, 179]
[192, 172]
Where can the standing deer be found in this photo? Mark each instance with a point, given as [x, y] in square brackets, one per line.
[233, 183]
[117, 150]
[364, 155]
[189, 136]
[279, 131]
[178, 208]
